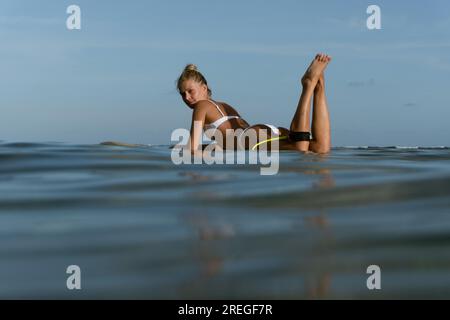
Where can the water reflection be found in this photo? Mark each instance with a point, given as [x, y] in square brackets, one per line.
[318, 280]
[208, 232]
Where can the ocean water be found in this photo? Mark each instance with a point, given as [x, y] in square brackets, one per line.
[139, 226]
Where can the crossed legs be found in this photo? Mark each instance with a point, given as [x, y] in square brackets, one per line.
[313, 86]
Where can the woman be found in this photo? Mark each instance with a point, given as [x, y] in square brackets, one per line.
[211, 114]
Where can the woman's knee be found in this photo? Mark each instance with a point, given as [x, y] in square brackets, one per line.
[319, 147]
[302, 146]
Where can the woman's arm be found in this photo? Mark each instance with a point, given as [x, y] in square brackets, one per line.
[198, 121]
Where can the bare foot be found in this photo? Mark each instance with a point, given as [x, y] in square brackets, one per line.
[321, 82]
[315, 70]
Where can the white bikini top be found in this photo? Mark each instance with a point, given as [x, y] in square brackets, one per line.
[216, 124]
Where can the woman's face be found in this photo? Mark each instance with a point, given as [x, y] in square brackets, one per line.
[192, 92]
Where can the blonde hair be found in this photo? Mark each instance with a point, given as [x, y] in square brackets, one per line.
[191, 72]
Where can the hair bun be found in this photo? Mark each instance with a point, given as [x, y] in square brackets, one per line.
[191, 72]
[191, 67]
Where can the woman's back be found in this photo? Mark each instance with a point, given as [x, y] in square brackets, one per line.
[222, 116]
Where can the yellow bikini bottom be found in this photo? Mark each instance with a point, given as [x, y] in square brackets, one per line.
[268, 140]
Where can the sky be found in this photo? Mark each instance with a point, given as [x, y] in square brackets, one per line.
[114, 79]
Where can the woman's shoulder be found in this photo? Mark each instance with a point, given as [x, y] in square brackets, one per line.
[206, 104]
[229, 108]
[202, 104]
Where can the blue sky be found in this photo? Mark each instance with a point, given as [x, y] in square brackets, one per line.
[115, 78]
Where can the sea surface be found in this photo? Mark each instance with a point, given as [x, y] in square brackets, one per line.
[140, 227]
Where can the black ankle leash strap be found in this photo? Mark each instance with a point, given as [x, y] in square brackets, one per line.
[300, 136]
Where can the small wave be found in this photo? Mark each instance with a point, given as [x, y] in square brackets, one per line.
[393, 147]
[24, 145]
[435, 148]
[124, 144]
[352, 147]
